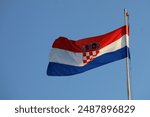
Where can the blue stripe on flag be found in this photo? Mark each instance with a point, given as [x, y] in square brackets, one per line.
[57, 69]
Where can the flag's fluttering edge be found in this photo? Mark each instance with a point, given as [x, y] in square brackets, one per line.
[69, 57]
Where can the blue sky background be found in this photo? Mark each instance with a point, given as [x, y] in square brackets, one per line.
[29, 27]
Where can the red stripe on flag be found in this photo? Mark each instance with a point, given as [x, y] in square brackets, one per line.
[103, 40]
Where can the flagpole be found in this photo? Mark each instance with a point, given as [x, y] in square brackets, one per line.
[126, 21]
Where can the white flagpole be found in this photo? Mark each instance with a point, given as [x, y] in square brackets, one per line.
[126, 21]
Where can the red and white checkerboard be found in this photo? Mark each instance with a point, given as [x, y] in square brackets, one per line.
[89, 56]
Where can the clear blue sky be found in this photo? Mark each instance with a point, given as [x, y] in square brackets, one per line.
[29, 27]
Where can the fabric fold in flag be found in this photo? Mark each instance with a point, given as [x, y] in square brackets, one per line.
[69, 57]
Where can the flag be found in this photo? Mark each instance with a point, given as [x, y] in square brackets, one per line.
[69, 57]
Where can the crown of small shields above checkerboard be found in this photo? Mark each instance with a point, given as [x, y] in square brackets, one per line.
[91, 46]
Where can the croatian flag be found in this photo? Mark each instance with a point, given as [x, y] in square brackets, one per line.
[69, 57]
